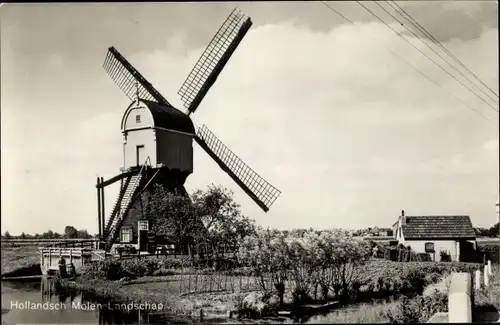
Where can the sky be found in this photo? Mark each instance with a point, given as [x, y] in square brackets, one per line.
[351, 122]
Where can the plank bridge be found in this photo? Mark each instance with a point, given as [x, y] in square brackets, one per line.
[51, 256]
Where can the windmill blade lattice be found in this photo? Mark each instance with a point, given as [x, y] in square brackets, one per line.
[129, 79]
[213, 60]
[261, 191]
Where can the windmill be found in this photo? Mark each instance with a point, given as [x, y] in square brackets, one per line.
[158, 138]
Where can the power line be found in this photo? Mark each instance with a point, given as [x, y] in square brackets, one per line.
[438, 43]
[413, 67]
[413, 45]
[433, 50]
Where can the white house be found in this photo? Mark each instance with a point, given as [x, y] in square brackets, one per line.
[435, 234]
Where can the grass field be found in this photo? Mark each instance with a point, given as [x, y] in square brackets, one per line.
[17, 258]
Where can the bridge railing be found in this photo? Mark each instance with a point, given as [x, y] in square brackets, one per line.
[46, 242]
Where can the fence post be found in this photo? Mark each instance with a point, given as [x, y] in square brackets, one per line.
[478, 279]
[490, 271]
[486, 277]
[459, 299]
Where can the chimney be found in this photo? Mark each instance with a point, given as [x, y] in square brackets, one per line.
[403, 218]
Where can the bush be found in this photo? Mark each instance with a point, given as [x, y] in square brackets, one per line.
[107, 270]
[404, 278]
[441, 286]
[445, 256]
[488, 251]
[252, 306]
[113, 269]
[423, 257]
[418, 309]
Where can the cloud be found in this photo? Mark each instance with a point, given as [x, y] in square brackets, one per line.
[348, 132]
[55, 61]
[311, 110]
[491, 145]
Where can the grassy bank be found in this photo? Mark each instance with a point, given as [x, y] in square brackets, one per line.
[363, 314]
[19, 261]
[487, 300]
[378, 278]
[418, 309]
[164, 290]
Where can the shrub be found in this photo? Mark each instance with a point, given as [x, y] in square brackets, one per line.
[108, 269]
[418, 309]
[445, 256]
[488, 251]
[441, 286]
[163, 271]
[113, 269]
[251, 306]
[304, 261]
[405, 278]
[423, 257]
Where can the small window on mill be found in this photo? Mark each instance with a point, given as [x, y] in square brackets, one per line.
[137, 119]
[126, 235]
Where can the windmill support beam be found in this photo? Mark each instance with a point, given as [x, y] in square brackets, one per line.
[99, 222]
[103, 211]
[116, 178]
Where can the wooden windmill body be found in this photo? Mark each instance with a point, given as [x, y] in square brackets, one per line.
[158, 140]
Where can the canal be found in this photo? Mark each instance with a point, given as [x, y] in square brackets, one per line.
[42, 301]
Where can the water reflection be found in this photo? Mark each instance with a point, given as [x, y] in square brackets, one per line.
[48, 302]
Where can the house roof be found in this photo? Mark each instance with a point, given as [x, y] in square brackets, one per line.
[169, 117]
[417, 227]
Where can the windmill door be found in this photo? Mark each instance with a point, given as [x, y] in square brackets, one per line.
[140, 153]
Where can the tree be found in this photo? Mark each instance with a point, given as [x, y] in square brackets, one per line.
[70, 232]
[267, 254]
[49, 234]
[328, 259]
[83, 233]
[338, 255]
[7, 235]
[22, 236]
[172, 215]
[487, 232]
[221, 216]
[210, 217]
[493, 231]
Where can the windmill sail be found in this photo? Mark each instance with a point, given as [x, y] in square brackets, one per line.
[213, 60]
[128, 78]
[259, 190]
